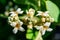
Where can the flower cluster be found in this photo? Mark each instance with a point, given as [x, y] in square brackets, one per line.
[45, 22]
[14, 21]
[41, 23]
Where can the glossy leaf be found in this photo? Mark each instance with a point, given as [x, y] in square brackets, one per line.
[53, 10]
[29, 34]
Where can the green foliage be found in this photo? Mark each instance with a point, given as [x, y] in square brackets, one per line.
[33, 3]
[53, 10]
[29, 34]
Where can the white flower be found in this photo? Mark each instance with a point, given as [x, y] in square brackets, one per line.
[17, 27]
[31, 10]
[47, 24]
[43, 29]
[30, 13]
[14, 21]
[19, 11]
[13, 17]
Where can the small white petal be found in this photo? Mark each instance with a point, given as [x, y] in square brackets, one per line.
[15, 30]
[47, 24]
[13, 14]
[45, 14]
[49, 29]
[21, 23]
[43, 32]
[31, 10]
[21, 29]
[39, 27]
[19, 11]
[39, 13]
[13, 24]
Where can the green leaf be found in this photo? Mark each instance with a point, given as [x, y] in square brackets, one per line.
[36, 33]
[53, 10]
[29, 34]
